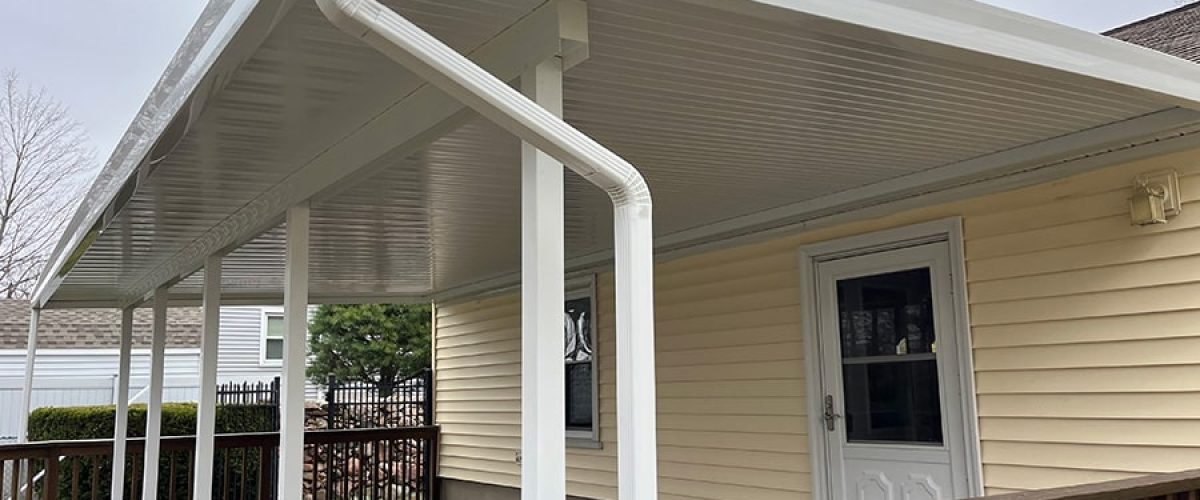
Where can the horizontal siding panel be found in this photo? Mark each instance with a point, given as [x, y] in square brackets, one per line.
[1118, 277]
[1161, 433]
[1138, 249]
[765, 460]
[1090, 380]
[1135, 459]
[1115, 227]
[1015, 477]
[1088, 330]
[1100, 304]
[1135, 405]
[1171, 351]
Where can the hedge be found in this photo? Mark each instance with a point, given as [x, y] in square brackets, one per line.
[178, 419]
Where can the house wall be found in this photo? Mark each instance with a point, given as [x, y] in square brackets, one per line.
[82, 376]
[1084, 329]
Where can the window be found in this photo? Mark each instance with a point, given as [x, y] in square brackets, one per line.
[580, 359]
[272, 341]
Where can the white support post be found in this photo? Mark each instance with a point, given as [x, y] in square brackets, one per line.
[295, 341]
[30, 361]
[121, 398]
[206, 408]
[158, 347]
[543, 416]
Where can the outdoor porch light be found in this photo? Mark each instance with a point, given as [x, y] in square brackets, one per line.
[1155, 198]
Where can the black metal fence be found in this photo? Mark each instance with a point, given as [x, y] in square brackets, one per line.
[357, 405]
[264, 394]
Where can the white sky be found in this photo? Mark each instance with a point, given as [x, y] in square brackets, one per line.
[102, 57]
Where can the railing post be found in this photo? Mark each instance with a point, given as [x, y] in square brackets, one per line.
[275, 402]
[50, 479]
[330, 403]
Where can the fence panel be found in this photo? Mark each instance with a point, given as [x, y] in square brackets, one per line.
[357, 405]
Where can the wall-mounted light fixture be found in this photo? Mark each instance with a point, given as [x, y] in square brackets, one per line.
[1155, 198]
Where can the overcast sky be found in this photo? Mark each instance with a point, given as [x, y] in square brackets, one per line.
[102, 57]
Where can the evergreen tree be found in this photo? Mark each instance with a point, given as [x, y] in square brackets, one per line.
[379, 344]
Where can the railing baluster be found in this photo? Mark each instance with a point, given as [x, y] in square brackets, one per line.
[136, 481]
[226, 484]
[171, 482]
[191, 472]
[75, 478]
[242, 485]
[96, 460]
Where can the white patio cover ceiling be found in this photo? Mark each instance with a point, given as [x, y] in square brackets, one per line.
[742, 116]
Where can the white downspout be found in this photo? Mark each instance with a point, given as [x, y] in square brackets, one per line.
[451, 72]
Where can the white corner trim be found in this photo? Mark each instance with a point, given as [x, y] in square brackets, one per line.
[948, 230]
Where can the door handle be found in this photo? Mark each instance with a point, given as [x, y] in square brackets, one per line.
[830, 416]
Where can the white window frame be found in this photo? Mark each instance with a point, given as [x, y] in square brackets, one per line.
[577, 289]
[267, 312]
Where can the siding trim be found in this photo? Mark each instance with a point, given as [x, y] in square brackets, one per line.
[947, 229]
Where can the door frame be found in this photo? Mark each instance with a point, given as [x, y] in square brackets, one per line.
[948, 230]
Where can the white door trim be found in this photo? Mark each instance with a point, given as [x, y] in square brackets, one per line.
[948, 230]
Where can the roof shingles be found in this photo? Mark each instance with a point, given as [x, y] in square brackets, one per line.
[1175, 32]
[92, 328]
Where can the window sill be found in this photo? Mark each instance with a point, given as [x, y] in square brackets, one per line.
[585, 443]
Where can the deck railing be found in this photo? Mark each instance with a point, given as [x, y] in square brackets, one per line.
[1172, 486]
[395, 463]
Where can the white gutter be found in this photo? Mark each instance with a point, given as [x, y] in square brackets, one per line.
[442, 66]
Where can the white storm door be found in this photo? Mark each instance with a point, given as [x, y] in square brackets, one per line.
[892, 399]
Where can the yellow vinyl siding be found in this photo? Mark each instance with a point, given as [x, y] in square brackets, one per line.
[1085, 330]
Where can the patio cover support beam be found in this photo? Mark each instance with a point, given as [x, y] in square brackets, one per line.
[426, 56]
[30, 361]
[121, 417]
[206, 408]
[295, 322]
[543, 414]
[158, 348]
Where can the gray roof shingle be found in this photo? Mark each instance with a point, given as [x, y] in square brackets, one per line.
[1175, 32]
[92, 328]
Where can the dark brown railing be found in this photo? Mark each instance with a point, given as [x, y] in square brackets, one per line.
[1172, 486]
[360, 463]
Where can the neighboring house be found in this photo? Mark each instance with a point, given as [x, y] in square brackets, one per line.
[78, 353]
[921, 250]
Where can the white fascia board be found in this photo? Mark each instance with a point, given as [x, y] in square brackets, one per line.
[985, 36]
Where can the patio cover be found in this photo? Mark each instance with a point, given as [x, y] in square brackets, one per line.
[744, 117]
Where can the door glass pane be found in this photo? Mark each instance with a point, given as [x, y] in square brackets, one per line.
[889, 364]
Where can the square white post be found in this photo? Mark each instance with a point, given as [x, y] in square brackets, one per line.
[543, 415]
[158, 348]
[121, 419]
[206, 408]
[295, 341]
[30, 361]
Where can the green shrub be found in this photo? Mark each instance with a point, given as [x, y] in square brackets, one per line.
[178, 419]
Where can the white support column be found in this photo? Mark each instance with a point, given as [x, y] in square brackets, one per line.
[295, 341]
[206, 408]
[543, 416]
[121, 423]
[158, 347]
[30, 361]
